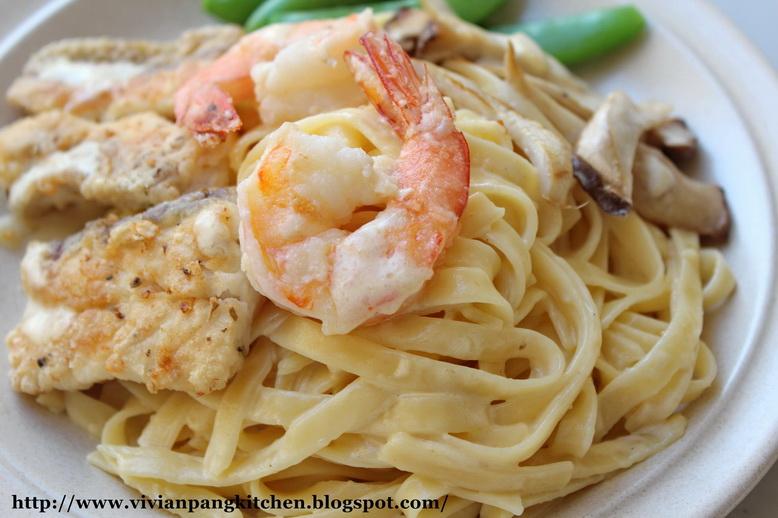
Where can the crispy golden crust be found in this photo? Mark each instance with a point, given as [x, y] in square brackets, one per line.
[55, 161]
[157, 298]
[28, 140]
[103, 78]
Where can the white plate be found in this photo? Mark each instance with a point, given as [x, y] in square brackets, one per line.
[693, 58]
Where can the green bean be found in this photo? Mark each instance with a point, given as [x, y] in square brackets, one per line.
[579, 38]
[338, 12]
[262, 15]
[233, 11]
[475, 11]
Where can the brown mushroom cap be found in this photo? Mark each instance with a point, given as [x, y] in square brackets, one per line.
[606, 151]
[609, 201]
[616, 156]
[675, 139]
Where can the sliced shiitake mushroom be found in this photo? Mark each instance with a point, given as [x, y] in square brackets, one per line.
[455, 38]
[621, 172]
[675, 139]
[412, 29]
[605, 152]
[539, 101]
[665, 196]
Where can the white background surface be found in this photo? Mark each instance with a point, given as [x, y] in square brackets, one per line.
[757, 19]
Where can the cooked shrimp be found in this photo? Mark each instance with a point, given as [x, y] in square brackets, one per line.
[209, 104]
[304, 190]
[310, 76]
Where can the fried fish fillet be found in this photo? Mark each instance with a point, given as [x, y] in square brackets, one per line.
[106, 79]
[157, 298]
[55, 160]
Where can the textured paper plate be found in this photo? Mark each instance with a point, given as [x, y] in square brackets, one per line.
[693, 58]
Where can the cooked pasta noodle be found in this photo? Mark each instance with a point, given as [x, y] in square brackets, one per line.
[554, 346]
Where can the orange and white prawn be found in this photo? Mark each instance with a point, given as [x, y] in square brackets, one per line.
[308, 56]
[297, 201]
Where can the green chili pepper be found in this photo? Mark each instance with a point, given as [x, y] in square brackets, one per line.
[579, 38]
[475, 11]
[338, 12]
[233, 11]
[262, 15]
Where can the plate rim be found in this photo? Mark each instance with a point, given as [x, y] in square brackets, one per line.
[768, 156]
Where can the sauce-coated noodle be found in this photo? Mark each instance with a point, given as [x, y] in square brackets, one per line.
[553, 347]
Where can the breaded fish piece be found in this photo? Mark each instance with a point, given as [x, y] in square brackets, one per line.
[55, 160]
[101, 78]
[157, 298]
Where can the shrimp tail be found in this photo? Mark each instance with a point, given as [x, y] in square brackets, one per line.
[208, 111]
[387, 76]
[413, 105]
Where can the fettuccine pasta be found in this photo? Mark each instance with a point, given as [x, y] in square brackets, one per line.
[540, 333]
[554, 346]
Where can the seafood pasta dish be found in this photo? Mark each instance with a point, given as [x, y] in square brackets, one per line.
[375, 252]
